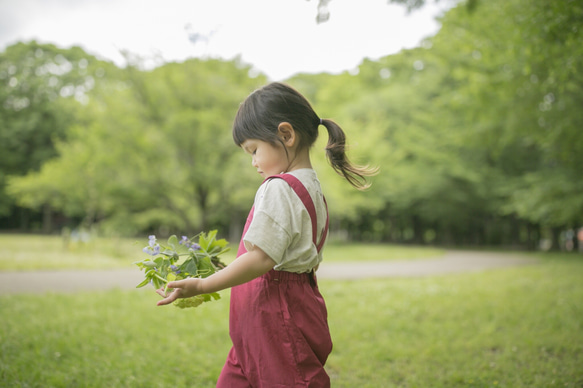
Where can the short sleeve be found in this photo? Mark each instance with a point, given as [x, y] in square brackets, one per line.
[274, 226]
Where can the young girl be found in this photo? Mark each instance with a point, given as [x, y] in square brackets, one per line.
[278, 319]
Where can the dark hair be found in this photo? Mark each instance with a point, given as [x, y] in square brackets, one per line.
[261, 113]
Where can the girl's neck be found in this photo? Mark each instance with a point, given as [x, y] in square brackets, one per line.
[300, 160]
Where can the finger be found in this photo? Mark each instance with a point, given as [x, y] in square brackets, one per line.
[171, 298]
[160, 291]
[164, 291]
[175, 284]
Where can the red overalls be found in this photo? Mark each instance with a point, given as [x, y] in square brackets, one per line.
[278, 324]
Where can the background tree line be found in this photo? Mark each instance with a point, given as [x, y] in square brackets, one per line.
[476, 132]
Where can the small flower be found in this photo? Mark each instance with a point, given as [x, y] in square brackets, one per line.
[152, 240]
[153, 251]
[195, 247]
[153, 248]
[175, 269]
[184, 241]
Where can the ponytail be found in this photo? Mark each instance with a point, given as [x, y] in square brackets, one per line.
[263, 110]
[336, 154]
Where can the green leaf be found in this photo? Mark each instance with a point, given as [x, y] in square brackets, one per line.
[143, 283]
[205, 267]
[156, 282]
[203, 242]
[221, 243]
[156, 276]
[189, 267]
[173, 242]
[211, 236]
[182, 249]
[167, 252]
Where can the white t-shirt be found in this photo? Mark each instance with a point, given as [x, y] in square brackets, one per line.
[281, 225]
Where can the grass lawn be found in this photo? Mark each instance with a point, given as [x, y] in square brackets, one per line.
[519, 327]
[37, 252]
[32, 252]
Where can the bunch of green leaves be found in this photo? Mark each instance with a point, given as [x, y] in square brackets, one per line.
[195, 257]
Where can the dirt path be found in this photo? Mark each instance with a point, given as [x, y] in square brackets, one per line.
[451, 262]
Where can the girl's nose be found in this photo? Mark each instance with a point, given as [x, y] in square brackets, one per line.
[253, 162]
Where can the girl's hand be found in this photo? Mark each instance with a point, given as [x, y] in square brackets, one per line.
[180, 289]
[247, 267]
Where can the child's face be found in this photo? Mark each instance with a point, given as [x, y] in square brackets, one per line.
[268, 159]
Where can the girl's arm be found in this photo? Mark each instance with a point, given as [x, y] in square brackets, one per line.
[245, 268]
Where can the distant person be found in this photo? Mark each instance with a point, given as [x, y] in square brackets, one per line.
[569, 240]
[278, 318]
[580, 239]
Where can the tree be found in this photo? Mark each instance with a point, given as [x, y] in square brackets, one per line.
[42, 89]
[155, 154]
[522, 97]
[476, 131]
[323, 13]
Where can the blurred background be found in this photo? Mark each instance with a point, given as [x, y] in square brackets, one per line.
[115, 116]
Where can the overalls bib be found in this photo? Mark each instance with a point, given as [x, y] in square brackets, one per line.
[278, 324]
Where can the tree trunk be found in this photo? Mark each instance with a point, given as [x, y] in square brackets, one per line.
[556, 235]
[47, 219]
[203, 204]
[24, 219]
[533, 236]
[417, 230]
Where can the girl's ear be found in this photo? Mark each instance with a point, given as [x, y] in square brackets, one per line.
[286, 133]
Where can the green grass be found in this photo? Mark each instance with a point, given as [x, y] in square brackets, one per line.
[519, 327]
[37, 252]
[32, 252]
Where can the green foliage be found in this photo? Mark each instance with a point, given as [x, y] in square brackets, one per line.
[477, 127]
[41, 89]
[166, 263]
[476, 133]
[142, 168]
[511, 88]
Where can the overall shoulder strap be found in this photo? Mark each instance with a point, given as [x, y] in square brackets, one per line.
[302, 192]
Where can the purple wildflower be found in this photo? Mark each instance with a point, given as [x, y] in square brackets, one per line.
[184, 241]
[152, 251]
[153, 248]
[195, 247]
[175, 269]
